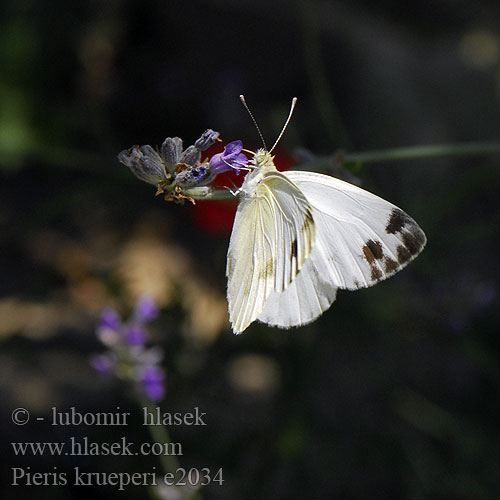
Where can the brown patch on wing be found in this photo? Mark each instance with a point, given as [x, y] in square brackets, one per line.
[370, 258]
[390, 265]
[410, 235]
[413, 241]
[293, 258]
[403, 254]
[267, 270]
[372, 250]
[293, 249]
[308, 227]
[398, 220]
[376, 273]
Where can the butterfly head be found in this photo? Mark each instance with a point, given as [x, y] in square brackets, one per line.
[263, 160]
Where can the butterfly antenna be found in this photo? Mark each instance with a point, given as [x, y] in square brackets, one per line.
[242, 99]
[292, 107]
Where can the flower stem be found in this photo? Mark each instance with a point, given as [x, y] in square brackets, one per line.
[160, 434]
[418, 152]
[169, 463]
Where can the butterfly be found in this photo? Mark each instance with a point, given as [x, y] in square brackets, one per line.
[299, 236]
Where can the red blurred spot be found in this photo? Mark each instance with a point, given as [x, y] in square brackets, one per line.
[283, 160]
[215, 217]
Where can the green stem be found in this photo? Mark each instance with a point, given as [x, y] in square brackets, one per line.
[160, 434]
[418, 152]
[169, 463]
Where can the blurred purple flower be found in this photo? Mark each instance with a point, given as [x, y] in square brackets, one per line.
[110, 319]
[230, 159]
[127, 356]
[135, 335]
[145, 309]
[152, 380]
[102, 363]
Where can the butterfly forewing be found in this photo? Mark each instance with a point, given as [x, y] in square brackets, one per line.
[273, 235]
[361, 238]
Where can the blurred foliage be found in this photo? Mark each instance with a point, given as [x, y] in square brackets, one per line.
[394, 392]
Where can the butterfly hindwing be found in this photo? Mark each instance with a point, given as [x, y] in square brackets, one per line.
[273, 235]
[307, 297]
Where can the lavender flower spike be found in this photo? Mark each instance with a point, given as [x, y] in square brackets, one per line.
[152, 380]
[103, 363]
[127, 356]
[110, 319]
[145, 309]
[135, 335]
[230, 158]
[145, 163]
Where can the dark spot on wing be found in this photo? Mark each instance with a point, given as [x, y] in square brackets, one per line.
[403, 254]
[376, 248]
[390, 265]
[308, 216]
[413, 241]
[267, 271]
[370, 258]
[410, 235]
[309, 228]
[397, 221]
[376, 273]
[372, 250]
[294, 265]
[293, 249]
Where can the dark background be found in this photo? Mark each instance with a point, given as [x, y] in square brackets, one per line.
[394, 392]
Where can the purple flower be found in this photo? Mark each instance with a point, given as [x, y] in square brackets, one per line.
[127, 356]
[145, 309]
[135, 335]
[110, 319]
[102, 363]
[230, 158]
[152, 380]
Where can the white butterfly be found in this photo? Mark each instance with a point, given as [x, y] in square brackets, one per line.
[299, 236]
